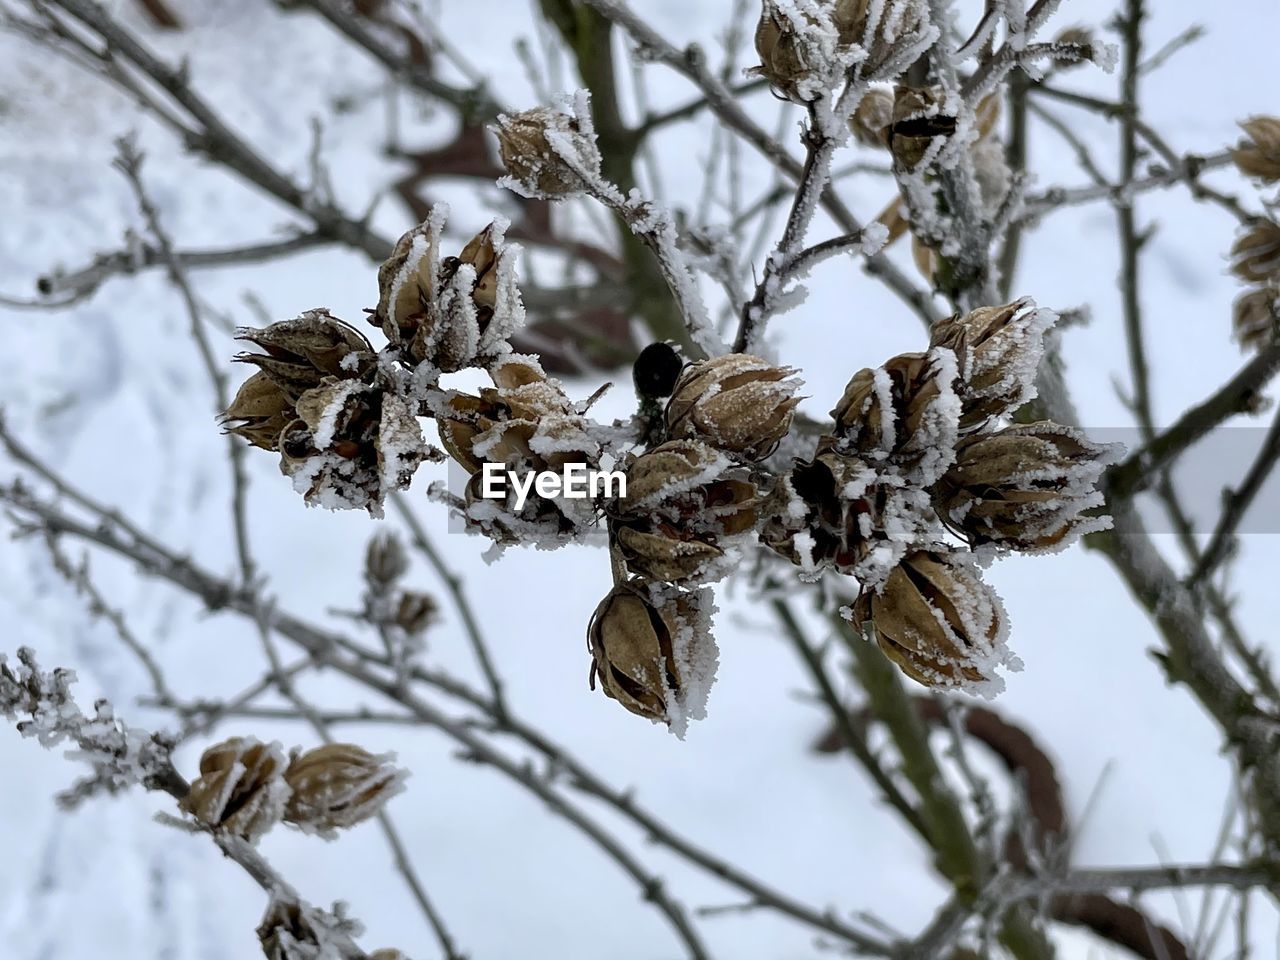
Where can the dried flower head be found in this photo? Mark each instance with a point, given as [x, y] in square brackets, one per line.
[339, 785]
[831, 512]
[738, 403]
[869, 123]
[451, 313]
[787, 58]
[1258, 154]
[291, 930]
[300, 355]
[999, 349]
[1026, 487]
[548, 152]
[939, 622]
[385, 561]
[526, 423]
[351, 444]
[920, 119]
[684, 501]
[653, 652]
[343, 438]
[1255, 256]
[905, 412]
[1256, 317]
[241, 787]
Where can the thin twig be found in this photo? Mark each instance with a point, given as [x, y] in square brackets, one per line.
[1237, 503]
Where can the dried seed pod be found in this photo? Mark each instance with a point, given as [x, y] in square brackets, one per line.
[259, 412]
[1256, 318]
[787, 56]
[683, 498]
[351, 444]
[415, 612]
[548, 152]
[690, 484]
[870, 122]
[665, 554]
[653, 652]
[301, 354]
[1082, 37]
[896, 20]
[836, 511]
[241, 787]
[527, 424]
[738, 403]
[303, 351]
[1255, 256]
[919, 119]
[339, 785]
[291, 930]
[824, 513]
[668, 469]
[385, 561]
[999, 349]
[1258, 154]
[1025, 487]
[939, 622]
[454, 313]
[904, 411]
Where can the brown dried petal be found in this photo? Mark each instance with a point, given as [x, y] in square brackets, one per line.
[1256, 318]
[259, 412]
[316, 340]
[407, 281]
[1259, 154]
[664, 555]
[1255, 255]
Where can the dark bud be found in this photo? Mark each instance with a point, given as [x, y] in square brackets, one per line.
[656, 370]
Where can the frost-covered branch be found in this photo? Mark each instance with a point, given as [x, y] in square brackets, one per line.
[139, 255]
[121, 58]
[42, 706]
[691, 63]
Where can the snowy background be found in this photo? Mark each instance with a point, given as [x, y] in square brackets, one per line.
[111, 393]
